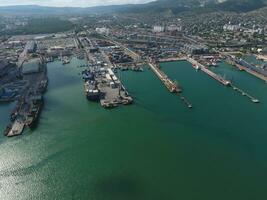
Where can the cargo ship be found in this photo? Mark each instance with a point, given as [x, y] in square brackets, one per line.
[7, 130]
[88, 75]
[91, 91]
[33, 114]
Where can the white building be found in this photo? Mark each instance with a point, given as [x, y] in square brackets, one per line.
[102, 30]
[229, 27]
[174, 28]
[158, 29]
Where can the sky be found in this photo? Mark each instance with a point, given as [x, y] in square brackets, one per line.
[70, 3]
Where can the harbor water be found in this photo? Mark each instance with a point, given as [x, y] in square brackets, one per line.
[156, 148]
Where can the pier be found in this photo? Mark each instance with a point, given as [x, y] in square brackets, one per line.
[197, 65]
[242, 65]
[186, 102]
[30, 99]
[243, 93]
[252, 72]
[201, 67]
[172, 59]
[170, 85]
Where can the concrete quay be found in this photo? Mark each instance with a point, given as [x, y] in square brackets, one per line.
[170, 85]
[201, 67]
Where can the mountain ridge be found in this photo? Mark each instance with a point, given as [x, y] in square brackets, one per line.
[175, 6]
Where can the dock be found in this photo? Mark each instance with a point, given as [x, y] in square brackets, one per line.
[243, 93]
[170, 85]
[232, 60]
[254, 73]
[201, 67]
[186, 102]
[172, 59]
[197, 65]
[16, 129]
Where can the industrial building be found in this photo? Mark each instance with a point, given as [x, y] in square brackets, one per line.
[6, 95]
[158, 29]
[229, 27]
[103, 30]
[30, 47]
[3, 67]
[31, 66]
[196, 49]
[172, 28]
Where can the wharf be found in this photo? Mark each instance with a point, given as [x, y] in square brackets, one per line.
[16, 129]
[31, 89]
[114, 96]
[254, 73]
[170, 85]
[172, 59]
[243, 93]
[186, 102]
[197, 65]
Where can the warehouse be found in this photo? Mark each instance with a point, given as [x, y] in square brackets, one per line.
[31, 66]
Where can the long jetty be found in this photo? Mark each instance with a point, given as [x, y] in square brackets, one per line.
[172, 59]
[170, 85]
[246, 69]
[243, 93]
[198, 65]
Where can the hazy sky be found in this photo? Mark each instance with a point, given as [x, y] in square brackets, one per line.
[82, 3]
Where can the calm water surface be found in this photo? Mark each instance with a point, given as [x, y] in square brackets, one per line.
[154, 149]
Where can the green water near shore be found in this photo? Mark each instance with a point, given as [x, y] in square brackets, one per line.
[156, 148]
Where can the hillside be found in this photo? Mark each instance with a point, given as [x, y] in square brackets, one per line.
[177, 6]
[174, 6]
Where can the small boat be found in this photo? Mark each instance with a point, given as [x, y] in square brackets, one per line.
[65, 60]
[255, 101]
[214, 64]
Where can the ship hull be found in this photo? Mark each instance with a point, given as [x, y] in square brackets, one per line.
[93, 97]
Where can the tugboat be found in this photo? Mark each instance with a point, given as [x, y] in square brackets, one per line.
[255, 101]
[214, 64]
[196, 66]
[65, 60]
[137, 69]
[49, 59]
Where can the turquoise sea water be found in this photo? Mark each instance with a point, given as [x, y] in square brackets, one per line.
[154, 149]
